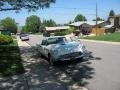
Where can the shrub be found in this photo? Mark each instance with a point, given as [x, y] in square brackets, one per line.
[111, 30]
[5, 39]
[60, 33]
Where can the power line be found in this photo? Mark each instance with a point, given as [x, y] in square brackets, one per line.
[70, 8]
[77, 8]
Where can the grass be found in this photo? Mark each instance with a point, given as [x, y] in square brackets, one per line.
[115, 37]
[10, 60]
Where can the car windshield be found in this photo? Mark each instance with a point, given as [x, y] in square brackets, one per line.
[57, 40]
[24, 35]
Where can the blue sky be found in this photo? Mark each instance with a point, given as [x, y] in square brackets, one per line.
[65, 10]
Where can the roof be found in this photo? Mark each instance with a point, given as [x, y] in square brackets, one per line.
[56, 28]
[92, 23]
[108, 26]
[78, 23]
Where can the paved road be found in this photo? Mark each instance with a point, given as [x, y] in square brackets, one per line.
[100, 73]
[107, 73]
[34, 39]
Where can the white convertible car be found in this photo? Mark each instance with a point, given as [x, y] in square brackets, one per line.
[60, 48]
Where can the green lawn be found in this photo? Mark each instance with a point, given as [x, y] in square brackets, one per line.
[10, 60]
[115, 37]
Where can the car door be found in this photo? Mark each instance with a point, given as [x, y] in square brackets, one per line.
[42, 47]
[46, 50]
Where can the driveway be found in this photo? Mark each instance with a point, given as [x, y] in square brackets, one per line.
[98, 73]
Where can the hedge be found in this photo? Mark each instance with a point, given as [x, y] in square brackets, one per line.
[5, 39]
[60, 33]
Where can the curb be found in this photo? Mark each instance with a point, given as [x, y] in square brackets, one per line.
[105, 42]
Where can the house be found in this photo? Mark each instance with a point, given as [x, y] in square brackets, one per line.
[114, 20]
[87, 27]
[117, 21]
[81, 27]
[56, 29]
[87, 24]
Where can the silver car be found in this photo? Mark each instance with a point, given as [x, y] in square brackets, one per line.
[60, 48]
[24, 37]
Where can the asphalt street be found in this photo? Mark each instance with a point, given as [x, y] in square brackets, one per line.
[101, 72]
[34, 40]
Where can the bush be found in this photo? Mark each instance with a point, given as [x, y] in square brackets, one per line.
[60, 33]
[111, 30]
[5, 39]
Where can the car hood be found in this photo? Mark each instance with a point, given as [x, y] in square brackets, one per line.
[66, 48]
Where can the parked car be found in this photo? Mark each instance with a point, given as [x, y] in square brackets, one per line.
[60, 48]
[24, 37]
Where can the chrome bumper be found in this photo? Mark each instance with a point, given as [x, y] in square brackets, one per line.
[71, 56]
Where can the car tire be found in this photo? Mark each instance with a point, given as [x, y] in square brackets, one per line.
[51, 60]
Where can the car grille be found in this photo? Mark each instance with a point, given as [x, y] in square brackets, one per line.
[71, 55]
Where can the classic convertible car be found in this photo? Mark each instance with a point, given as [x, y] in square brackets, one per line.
[61, 48]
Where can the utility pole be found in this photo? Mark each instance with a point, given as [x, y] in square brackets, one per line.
[96, 18]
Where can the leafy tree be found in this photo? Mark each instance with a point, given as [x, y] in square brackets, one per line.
[49, 23]
[80, 17]
[24, 29]
[98, 19]
[24, 4]
[9, 24]
[32, 24]
[111, 13]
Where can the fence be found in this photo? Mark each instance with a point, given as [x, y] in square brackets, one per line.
[98, 31]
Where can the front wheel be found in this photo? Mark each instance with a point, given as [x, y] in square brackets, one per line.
[52, 61]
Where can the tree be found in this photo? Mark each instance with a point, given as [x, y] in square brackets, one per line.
[9, 24]
[24, 29]
[30, 5]
[98, 19]
[32, 24]
[49, 23]
[111, 13]
[80, 17]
